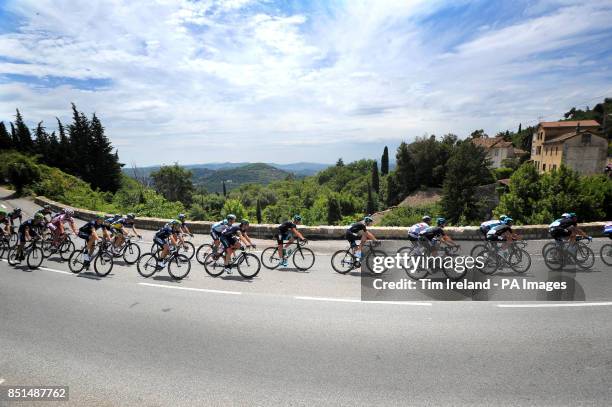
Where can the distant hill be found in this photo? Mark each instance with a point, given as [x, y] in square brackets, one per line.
[258, 173]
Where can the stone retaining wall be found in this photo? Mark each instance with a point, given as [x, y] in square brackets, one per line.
[262, 231]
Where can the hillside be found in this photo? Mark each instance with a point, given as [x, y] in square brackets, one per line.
[258, 173]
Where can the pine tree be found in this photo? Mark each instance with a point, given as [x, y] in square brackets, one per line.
[384, 162]
[106, 172]
[224, 189]
[14, 140]
[6, 142]
[375, 178]
[64, 157]
[258, 211]
[41, 143]
[339, 163]
[23, 135]
[81, 162]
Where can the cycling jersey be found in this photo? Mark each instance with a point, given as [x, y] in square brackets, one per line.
[286, 227]
[417, 228]
[608, 230]
[231, 231]
[432, 232]
[91, 226]
[14, 215]
[217, 228]
[61, 218]
[488, 225]
[44, 213]
[357, 227]
[31, 226]
[496, 232]
[164, 233]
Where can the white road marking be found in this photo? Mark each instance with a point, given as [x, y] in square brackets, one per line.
[1, 380]
[55, 271]
[565, 304]
[192, 289]
[3, 205]
[426, 304]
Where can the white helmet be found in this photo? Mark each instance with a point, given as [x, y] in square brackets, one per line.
[69, 212]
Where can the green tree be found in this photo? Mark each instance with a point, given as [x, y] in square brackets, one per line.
[235, 207]
[23, 135]
[375, 178]
[21, 172]
[5, 138]
[384, 162]
[106, 174]
[393, 190]
[339, 163]
[334, 211]
[404, 170]
[224, 189]
[174, 183]
[371, 205]
[524, 197]
[467, 169]
[258, 212]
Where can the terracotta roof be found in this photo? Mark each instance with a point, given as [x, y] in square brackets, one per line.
[574, 123]
[487, 143]
[567, 136]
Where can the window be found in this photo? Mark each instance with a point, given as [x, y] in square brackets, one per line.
[496, 152]
[554, 167]
[543, 167]
[538, 150]
[556, 151]
[586, 138]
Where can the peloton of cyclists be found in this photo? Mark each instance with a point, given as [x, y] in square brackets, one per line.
[287, 232]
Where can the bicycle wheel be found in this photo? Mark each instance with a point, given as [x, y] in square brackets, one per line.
[66, 249]
[147, 265]
[343, 261]
[585, 258]
[248, 265]
[47, 246]
[35, 257]
[12, 256]
[187, 249]
[13, 240]
[413, 268]
[477, 249]
[548, 246]
[490, 261]
[213, 264]
[76, 262]
[520, 260]
[131, 253]
[270, 258]
[103, 264]
[202, 252]
[370, 260]
[452, 272]
[606, 254]
[554, 258]
[179, 267]
[303, 259]
[3, 248]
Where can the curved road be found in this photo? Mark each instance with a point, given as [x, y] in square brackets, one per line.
[291, 338]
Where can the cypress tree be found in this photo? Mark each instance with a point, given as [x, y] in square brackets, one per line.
[224, 190]
[384, 162]
[520, 128]
[375, 178]
[23, 135]
[64, 152]
[106, 172]
[14, 140]
[258, 212]
[6, 142]
[371, 205]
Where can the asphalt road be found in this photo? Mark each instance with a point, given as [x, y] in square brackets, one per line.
[293, 338]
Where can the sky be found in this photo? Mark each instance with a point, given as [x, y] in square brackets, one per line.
[288, 81]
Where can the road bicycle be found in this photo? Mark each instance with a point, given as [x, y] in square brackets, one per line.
[101, 258]
[424, 263]
[128, 249]
[564, 252]
[62, 245]
[13, 236]
[185, 247]
[4, 245]
[517, 258]
[32, 252]
[346, 260]
[247, 264]
[302, 257]
[177, 264]
[606, 254]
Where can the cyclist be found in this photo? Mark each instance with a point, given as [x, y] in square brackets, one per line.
[490, 224]
[217, 228]
[433, 234]
[4, 224]
[417, 228]
[503, 233]
[231, 238]
[88, 233]
[286, 232]
[607, 230]
[118, 227]
[28, 230]
[567, 228]
[359, 231]
[45, 211]
[15, 214]
[57, 224]
[163, 237]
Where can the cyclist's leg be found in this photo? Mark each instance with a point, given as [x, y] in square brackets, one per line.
[279, 241]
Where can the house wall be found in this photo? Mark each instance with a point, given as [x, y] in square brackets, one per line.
[497, 155]
[537, 146]
[586, 158]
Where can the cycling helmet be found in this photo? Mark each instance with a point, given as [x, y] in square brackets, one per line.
[244, 222]
[440, 221]
[38, 216]
[572, 215]
[297, 218]
[2, 212]
[368, 219]
[47, 207]
[131, 216]
[174, 223]
[508, 220]
[99, 216]
[502, 217]
[181, 216]
[426, 218]
[69, 212]
[231, 216]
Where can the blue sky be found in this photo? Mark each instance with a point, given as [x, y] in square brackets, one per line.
[287, 81]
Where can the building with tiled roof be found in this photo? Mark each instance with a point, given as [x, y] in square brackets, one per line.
[497, 149]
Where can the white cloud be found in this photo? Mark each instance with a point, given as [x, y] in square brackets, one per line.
[205, 74]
